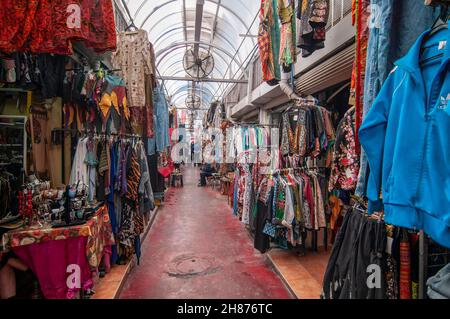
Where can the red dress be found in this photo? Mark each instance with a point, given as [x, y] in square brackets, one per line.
[16, 23]
[50, 26]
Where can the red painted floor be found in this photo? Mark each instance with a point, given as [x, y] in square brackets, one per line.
[198, 222]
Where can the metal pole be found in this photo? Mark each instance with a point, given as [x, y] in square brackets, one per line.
[180, 78]
[423, 264]
[240, 45]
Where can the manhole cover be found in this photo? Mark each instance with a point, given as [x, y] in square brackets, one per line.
[188, 265]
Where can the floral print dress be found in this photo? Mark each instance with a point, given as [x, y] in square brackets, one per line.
[345, 165]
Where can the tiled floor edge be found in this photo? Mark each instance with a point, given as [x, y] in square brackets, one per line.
[132, 263]
[280, 273]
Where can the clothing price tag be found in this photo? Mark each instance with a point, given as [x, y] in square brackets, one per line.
[389, 243]
[442, 45]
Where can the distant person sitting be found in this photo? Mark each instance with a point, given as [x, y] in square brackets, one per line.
[206, 170]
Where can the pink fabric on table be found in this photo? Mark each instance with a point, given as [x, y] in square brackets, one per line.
[49, 261]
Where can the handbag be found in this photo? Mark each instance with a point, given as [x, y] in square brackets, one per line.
[270, 229]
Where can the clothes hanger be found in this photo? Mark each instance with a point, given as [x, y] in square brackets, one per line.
[441, 23]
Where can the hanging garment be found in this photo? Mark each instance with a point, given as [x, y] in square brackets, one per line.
[360, 243]
[438, 286]
[134, 57]
[269, 41]
[288, 54]
[419, 200]
[313, 16]
[345, 165]
[79, 171]
[263, 215]
[39, 141]
[392, 35]
[405, 266]
[247, 194]
[50, 27]
[161, 138]
[18, 17]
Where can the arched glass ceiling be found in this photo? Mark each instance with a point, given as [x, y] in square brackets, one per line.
[171, 26]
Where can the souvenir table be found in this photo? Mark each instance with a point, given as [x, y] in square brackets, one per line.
[50, 251]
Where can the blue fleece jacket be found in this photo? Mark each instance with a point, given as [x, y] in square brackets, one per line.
[406, 136]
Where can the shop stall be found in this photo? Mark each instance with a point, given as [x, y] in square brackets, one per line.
[83, 130]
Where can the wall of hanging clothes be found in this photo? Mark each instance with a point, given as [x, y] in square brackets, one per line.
[407, 246]
[288, 203]
[316, 155]
[94, 137]
[279, 37]
[248, 147]
[115, 170]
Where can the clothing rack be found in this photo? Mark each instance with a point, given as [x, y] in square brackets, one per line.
[86, 71]
[314, 232]
[86, 132]
[126, 135]
[254, 125]
[302, 102]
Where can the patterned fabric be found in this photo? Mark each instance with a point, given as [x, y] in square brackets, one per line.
[248, 186]
[46, 26]
[360, 16]
[391, 278]
[127, 233]
[405, 266]
[308, 203]
[345, 165]
[319, 212]
[313, 15]
[133, 178]
[17, 18]
[97, 229]
[268, 41]
[288, 54]
[101, 237]
[133, 56]
[285, 135]
[270, 229]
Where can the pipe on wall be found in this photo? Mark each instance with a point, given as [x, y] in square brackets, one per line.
[286, 87]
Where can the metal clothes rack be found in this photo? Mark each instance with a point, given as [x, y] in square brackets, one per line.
[87, 71]
[254, 125]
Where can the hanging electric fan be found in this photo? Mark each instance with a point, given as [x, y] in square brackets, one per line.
[192, 101]
[198, 67]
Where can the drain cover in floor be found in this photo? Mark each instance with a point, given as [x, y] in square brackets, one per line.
[188, 265]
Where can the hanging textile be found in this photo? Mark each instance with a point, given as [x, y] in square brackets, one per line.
[313, 16]
[288, 54]
[360, 243]
[345, 165]
[135, 57]
[116, 171]
[269, 41]
[45, 26]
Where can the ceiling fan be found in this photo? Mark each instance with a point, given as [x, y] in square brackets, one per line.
[192, 101]
[200, 66]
